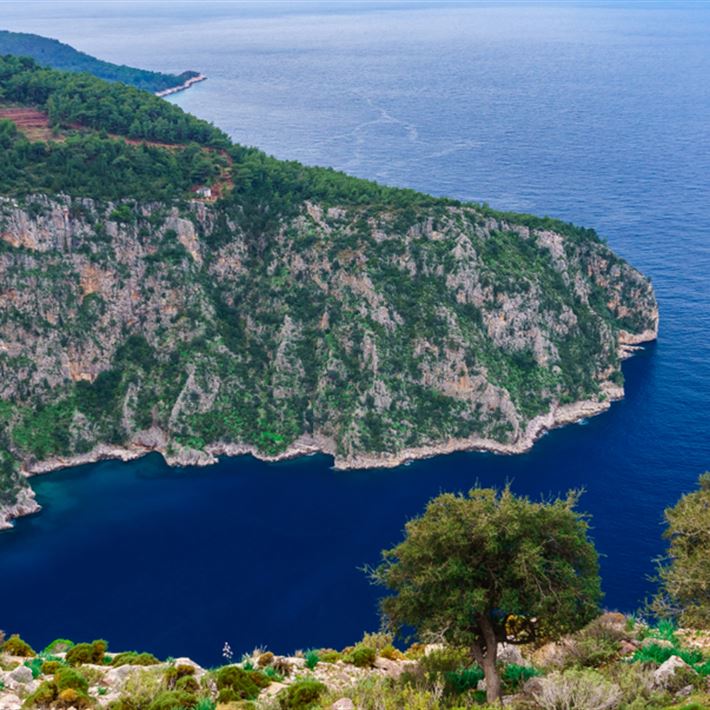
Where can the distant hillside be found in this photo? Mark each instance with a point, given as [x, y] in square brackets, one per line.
[55, 54]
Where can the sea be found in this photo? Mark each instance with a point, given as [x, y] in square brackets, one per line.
[597, 113]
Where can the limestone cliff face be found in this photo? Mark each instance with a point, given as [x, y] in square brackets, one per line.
[359, 331]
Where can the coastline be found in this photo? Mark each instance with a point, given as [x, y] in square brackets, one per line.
[154, 441]
[185, 85]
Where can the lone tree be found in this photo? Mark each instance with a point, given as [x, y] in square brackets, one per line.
[685, 573]
[479, 569]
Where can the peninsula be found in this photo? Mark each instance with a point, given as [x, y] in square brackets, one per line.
[58, 55]
[164, 289]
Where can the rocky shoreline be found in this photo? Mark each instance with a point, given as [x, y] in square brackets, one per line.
[155, 441]
[185, 85]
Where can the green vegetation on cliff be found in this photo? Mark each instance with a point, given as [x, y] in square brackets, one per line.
[297, 306]
[57, 55]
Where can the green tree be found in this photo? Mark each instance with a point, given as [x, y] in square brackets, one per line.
[685, 573]
[475, 570]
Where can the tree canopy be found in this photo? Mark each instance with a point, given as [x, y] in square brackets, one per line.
[685, 572]
[56, 54]
[475, 570]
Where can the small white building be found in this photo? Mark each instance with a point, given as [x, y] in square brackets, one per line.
[204, 191]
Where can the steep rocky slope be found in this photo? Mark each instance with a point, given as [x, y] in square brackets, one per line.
[373, 335]
[292, 310]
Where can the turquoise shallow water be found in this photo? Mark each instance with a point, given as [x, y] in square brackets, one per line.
[596, 114]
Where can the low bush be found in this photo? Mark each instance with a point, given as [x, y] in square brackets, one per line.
[134, 659]
[50, 667]
[657, 654]
[377, 641]
[15, 646]
[265, 659]
[35, 665]
[515, 675]
[361, 656]
[301, 695]
[391, 653]
[415, 651]
[187, 683]
[70, 678]
[461, 681]
[273, 675]
[282, 666]
[43, 697]
[329, 655]
[58, 646]
[172, 699]
[312, 659]
[577, 689]
[234, 683]
[93, 652]
[175, 673]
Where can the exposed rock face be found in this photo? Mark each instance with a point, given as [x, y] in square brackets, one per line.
[373, 336]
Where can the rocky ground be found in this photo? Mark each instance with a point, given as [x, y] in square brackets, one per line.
[614, 662]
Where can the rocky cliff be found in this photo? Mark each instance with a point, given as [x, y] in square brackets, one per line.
[373, 334]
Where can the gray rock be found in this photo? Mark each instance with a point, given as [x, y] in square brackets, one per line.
[8, 701]
[663, 675]
[509, 653]
[343, 704]
[392, 669]
[21, 674]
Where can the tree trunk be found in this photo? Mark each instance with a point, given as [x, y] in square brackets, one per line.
[492, 678]
[488, 664]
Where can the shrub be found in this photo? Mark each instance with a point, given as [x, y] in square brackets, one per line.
[35, 665]
[578, 689]
[361, 656]
[139, 690]
[312, 659]
[654, 653]
[15, 646]
[415, 651]
[273, 675]
[461, 681]
[93, 652]
[44, 696]
[391, 653]
[69, 678]
[205, 704]
[50, 667]
[58, 646]
[282, 666]
[234, 683]
[172, 699]
[174, 673]
[329, 655]
[516, 675]
[134, 659]
[265, 659]
[378, 641]
[301, 695]
[187, 683]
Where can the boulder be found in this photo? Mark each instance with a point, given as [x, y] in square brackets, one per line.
[665, 673]
[509, 653]
[21, 674]
[8, 701]
[343, 704]
[392, 669]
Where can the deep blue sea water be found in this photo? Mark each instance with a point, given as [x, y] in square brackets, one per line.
[598, 114]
